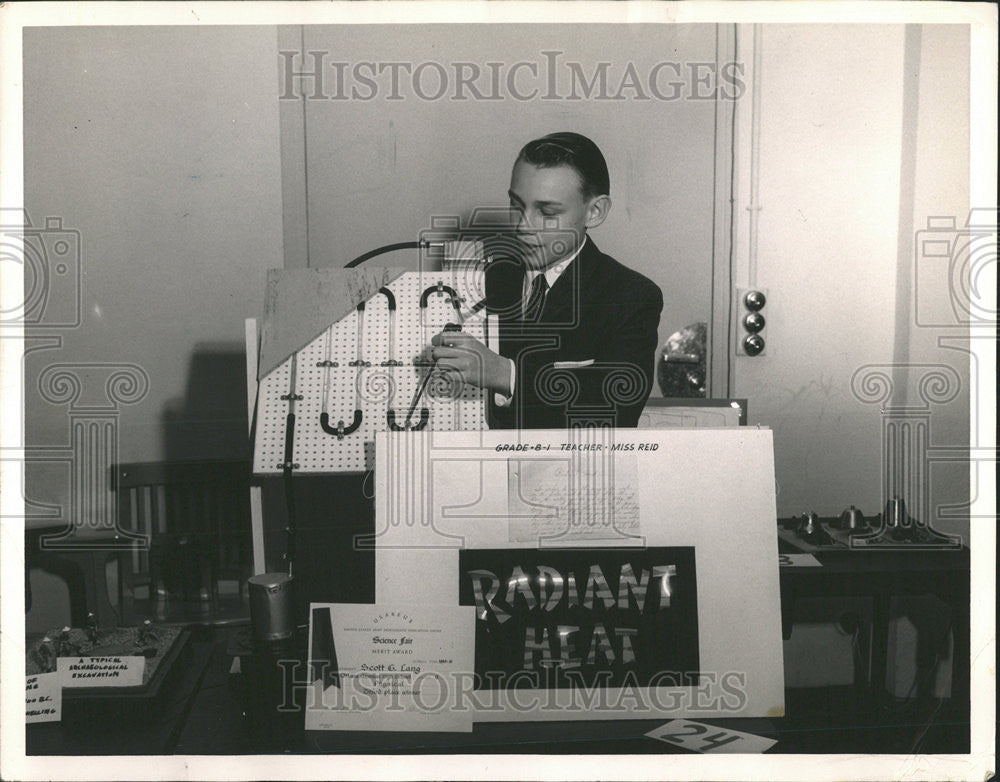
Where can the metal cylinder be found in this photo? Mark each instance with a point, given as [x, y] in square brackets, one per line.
[271, 606]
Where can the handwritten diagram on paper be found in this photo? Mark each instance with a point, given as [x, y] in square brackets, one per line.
[583, 497]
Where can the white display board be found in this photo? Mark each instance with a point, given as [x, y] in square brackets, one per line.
[707, 495]
[326, 378]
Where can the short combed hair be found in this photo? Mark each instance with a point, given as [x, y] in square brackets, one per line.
[573, 150]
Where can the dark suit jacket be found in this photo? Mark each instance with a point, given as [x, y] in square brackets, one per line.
[599, 311]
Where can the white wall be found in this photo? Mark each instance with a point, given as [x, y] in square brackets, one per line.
[377, 171]
[160, 146]
[839, 159]
[934, 336]
[863, 135]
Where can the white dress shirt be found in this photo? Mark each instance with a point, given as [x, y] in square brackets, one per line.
[552, 274]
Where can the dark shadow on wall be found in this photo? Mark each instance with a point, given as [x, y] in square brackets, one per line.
[210, 421]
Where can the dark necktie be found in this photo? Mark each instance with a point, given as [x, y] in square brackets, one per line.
[536, 299]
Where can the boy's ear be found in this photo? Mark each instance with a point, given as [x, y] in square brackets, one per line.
[597, 210]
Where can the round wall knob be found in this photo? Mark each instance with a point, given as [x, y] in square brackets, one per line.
[753, 322]
[753, 344]
[754, 300]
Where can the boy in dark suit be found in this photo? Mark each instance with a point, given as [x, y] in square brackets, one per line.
[577, 328]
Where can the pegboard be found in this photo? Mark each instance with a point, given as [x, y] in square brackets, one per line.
[323, 380]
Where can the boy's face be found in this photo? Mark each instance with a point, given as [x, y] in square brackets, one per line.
[550, 211]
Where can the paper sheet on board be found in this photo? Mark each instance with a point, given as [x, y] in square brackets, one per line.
[573, 499]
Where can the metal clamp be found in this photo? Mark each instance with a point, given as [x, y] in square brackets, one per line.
[440, 288]
[291, 397]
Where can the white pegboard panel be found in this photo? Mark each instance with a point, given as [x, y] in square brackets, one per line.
[376, 387]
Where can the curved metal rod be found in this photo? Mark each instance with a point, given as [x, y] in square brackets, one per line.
[340, 431]
[425, 415]
[360, 360]
[391, 361]
[388, 248]
[440, 288]
[388, 294]
[475, 308]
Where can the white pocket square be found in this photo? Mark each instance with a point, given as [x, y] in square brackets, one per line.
[573, 364]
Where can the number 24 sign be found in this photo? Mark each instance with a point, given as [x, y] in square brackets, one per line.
[698, 737]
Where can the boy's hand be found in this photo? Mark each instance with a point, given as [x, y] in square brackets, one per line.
[462, 357]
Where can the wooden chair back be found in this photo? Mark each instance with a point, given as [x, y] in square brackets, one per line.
[196, 517]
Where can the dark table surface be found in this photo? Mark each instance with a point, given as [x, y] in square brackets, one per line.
[211, 709]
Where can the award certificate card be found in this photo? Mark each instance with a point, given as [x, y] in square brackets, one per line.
[389, 667]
